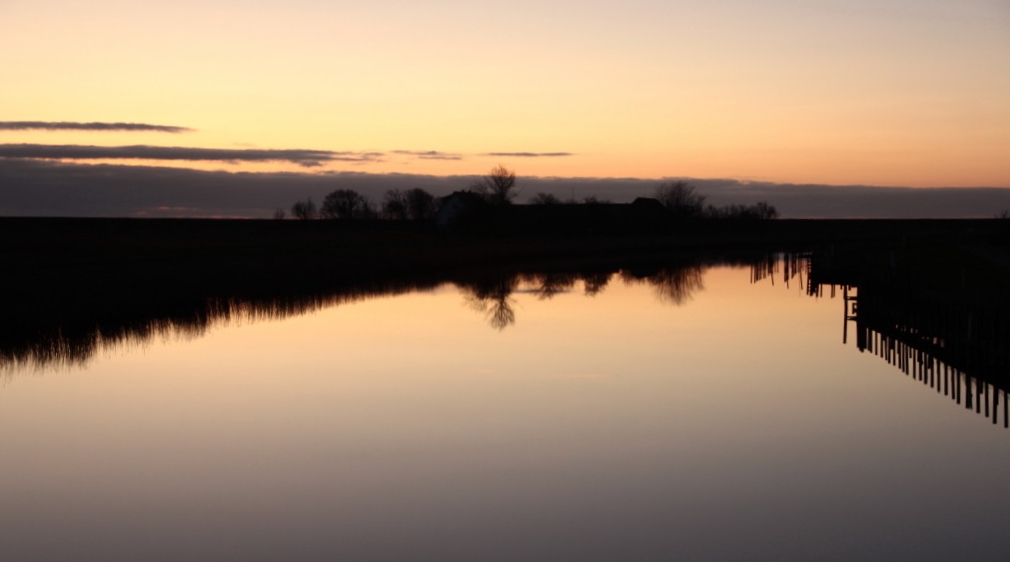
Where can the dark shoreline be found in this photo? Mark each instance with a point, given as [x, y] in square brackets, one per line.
[402, 245]
[71, 284]
[67, 263]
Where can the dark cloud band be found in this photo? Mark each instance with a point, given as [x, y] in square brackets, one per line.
[307, 158]
[35, 187]
[101, 127]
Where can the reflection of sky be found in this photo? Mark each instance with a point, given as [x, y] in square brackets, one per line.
[406, 428]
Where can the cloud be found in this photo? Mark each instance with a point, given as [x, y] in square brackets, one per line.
[436, 155]
[429, 154]
[528, 154]
[52, 188]
[306, 158]
[73, 126]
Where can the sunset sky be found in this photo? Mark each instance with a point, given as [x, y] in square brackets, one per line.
[912, 93]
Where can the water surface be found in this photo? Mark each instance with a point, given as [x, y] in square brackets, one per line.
[696, 413]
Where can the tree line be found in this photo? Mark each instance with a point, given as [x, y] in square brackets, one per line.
[681, 199]
[347, 204]
[498, 187]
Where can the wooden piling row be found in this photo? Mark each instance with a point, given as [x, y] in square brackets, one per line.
[954, 343]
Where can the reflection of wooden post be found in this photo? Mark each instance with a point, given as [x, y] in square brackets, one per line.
[995, 404]
[945, 380]
[845, 316]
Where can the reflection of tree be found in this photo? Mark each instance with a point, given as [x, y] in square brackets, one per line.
[68, 330]
[595, 282]
[492, 298]
[678, 285]
[551, 284]
[675, 285]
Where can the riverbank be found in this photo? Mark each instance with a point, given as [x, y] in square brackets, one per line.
[69, 283]
[397, 246]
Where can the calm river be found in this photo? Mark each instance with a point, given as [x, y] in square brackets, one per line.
[708, 413]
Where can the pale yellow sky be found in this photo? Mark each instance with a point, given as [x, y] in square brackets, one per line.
[893, 92]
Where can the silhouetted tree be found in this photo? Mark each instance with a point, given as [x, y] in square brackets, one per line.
[498, 186]
[304, 210]
[681, 198]
[766, 211]
[421, 205]
[758, 211]
[346, 204]
[279, 214]
[394, 204]
[414, 204]
[545, 199]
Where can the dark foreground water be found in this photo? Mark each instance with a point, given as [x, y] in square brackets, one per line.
[708, 413]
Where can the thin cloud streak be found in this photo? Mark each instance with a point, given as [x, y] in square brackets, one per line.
[429, 154]
[95, 126]
[301, 157]
[529, 154]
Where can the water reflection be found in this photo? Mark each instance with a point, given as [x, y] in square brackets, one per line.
[933, 326]
[940, 329]
[493, 298]
[672, 284]
[66, 329]
[42, 332]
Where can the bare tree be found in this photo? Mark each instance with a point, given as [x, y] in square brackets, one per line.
[545, 199]
[420, 205]
[394, 205]
[498, 186]
[346, 204]
[765, 211]
[413, 204]
[304, 210]
[681, 198]
[279, 214]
